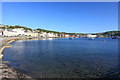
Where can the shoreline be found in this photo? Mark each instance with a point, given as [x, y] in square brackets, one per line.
[6, 71]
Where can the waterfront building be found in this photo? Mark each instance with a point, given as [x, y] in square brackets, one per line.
[56, 35]
[19, 31]
[91, 35]
[32, 34]
[43, 34]
[50, 35]
[59, 35]
[62, 35]
[73, 36]
[67, 35]
[9, 33]
[13, 32]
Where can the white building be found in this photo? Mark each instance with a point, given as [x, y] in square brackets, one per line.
[33, 34]
[43, 34]
[50, 35]
[19, 31]
[91, 36]
[67, 35]
[56, 35]
[9, 33]
[14, 32]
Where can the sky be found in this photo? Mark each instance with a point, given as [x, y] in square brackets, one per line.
[60, 0]
[73, 17]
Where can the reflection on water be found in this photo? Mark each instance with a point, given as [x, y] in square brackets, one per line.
[57, 58]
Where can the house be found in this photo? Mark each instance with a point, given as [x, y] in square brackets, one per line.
[56, 35]
[19, 31]
[14, 32]
[9, 33]
[43, 34]
[50, 35]
[32, 34]
[59, 35]
[62, 35]
[91, 35]
[73, 36]
[67, 35]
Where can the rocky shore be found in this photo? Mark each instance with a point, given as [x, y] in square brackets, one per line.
[9, 73]
[6, 71]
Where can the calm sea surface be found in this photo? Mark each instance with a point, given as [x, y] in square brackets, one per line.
[58, 58]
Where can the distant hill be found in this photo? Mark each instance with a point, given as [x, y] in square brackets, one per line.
[13, 27]
[47, 31]
[112, 33]
[107, 33]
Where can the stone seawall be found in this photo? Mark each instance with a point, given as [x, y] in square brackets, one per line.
[2, 46]
[5, 42]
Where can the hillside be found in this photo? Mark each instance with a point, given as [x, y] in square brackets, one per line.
[107, 33]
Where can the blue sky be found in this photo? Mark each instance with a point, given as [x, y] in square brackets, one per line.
[79, 17]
